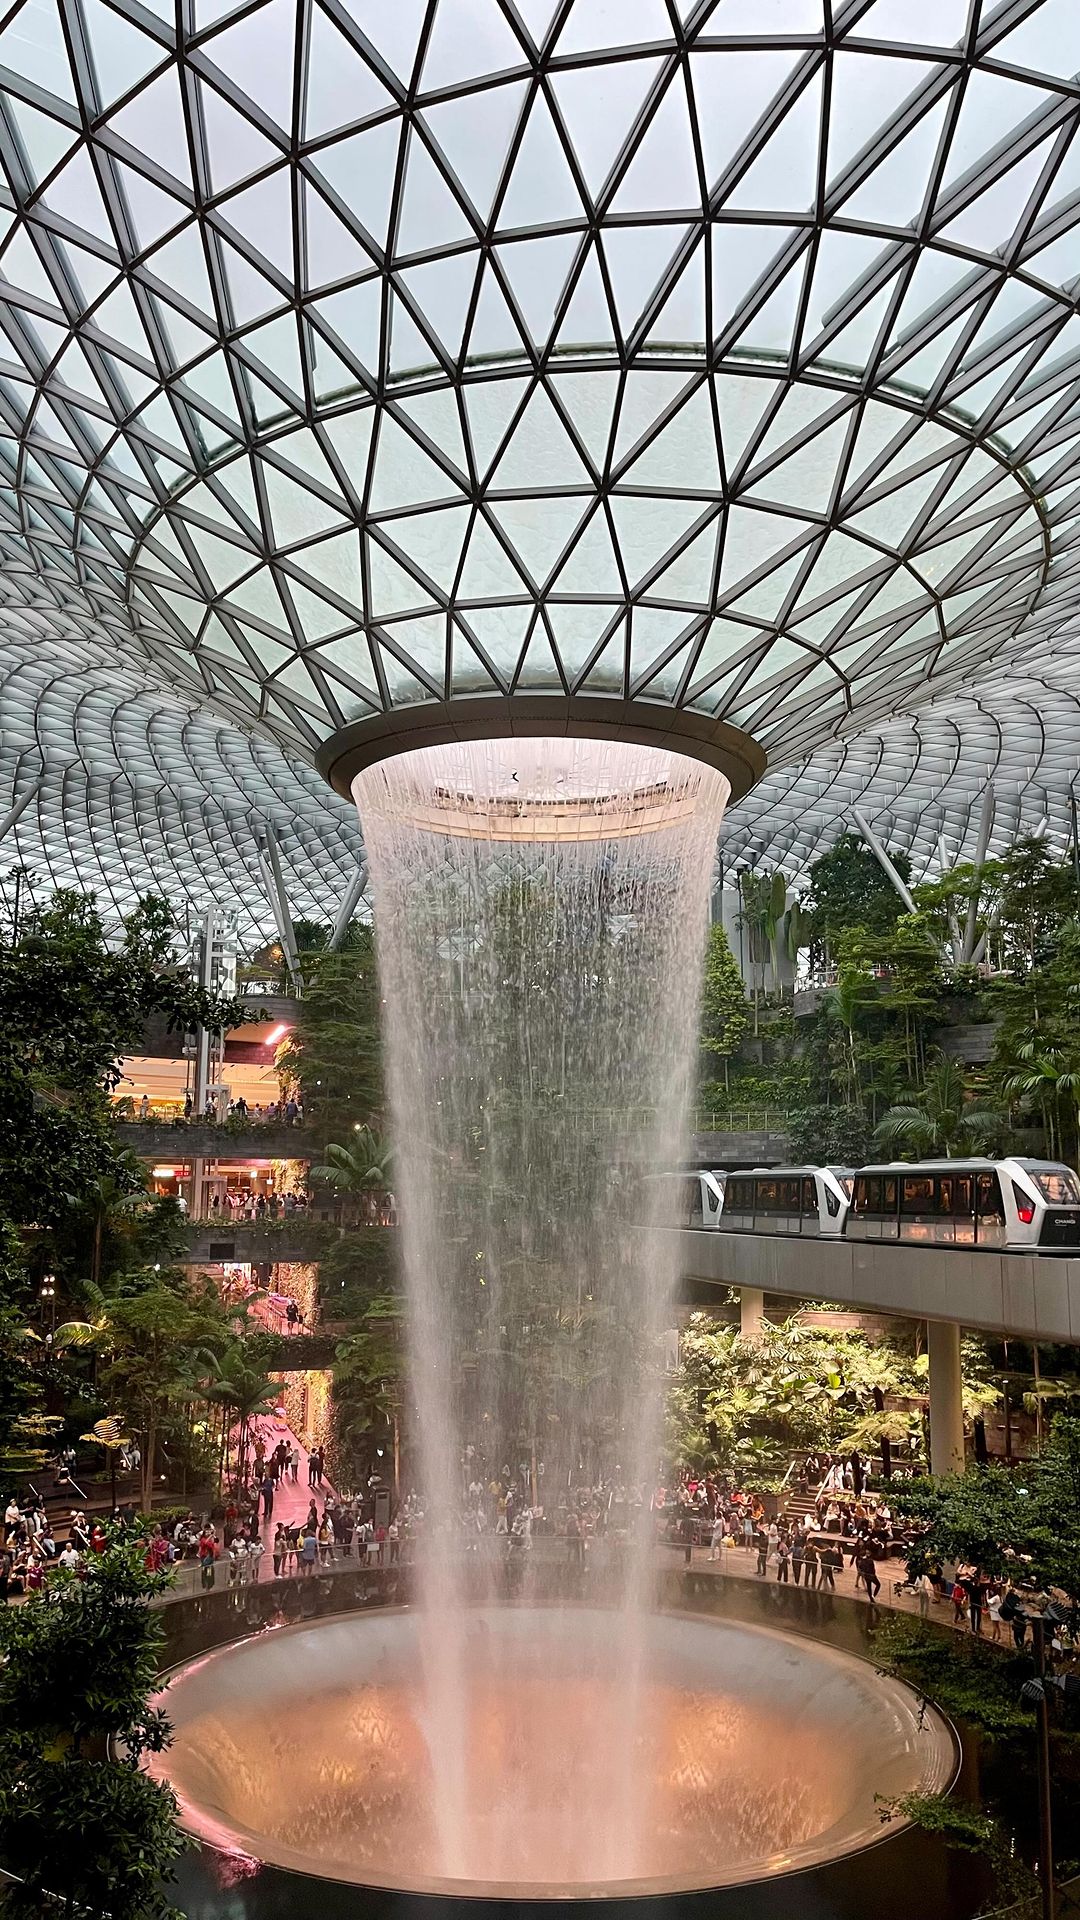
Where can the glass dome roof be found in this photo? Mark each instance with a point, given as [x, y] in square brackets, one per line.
[720, 355]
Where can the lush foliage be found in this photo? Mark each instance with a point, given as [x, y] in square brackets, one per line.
[724, 1018]
[333, 1050]
[79, 1819]
[990, 1516]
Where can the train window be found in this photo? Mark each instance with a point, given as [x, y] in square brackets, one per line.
[888, 1194]
[765, 1197]
[917, 1194]
[1058, 1185]
[832, 1202]
[809, 1196]
[737, 1197]
[988, 1195]
[868, 1194]
[790, 1196]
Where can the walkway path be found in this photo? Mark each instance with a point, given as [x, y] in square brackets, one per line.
[291, 1502]
[739, 1564]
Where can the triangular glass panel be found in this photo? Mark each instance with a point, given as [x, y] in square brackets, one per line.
[235, 147]
[429, 215]
[122, 55]
[893, 194]
[494, 329]
[636, 260]
[592, 566]
[474, 134]
[663, 173]
[437, 416]
[488, 573]
[261, 48]
[404, 474]
[468, 672]
[263, 215]
[296, 513]
[589, 400]
[681, 319]
[577, 628]
[355, 315]
[32, 44]
[424, 644]
[989, 222]
[771, 330]
[541, 189]
[443, 290]
[683, 454]
[541, 452]
[335, 565]
[181, 265]
[689, 578]
[537, 270]
[393, 31]
[741, 254]
[432, 543]
[362, 170]
[539, 667]
[753, 539]
[392, 589]
[340, 86]
[588, 319]
[600, 105]
[45, 140]
[648, 527]
[732, 90]
[992, 108]
[490, 406]
[411, 352]
[784, 175]
[539, 529]
[333, 253]
[608, 674]
[868, 89]
[501, 632]
[469, 38]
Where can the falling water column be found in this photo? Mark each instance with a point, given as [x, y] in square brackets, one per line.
[540, 910]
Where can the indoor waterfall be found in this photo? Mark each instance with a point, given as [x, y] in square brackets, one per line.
[541, 909]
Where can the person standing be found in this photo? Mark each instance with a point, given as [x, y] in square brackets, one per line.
[810, 1564]
[267, 1490]
[294, 1464]
[762, 1549]
[313, 1468]
[281, 1547]
[924, 1593]
[829, 1560]
[716, 1538]
[798, 1553]
[207, 1552]
[783, 1559]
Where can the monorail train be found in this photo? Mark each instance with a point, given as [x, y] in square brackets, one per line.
[949, 1203]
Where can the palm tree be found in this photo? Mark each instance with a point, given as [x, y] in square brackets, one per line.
[362, 1168]
[946, 1123]
[244, 1392]
[1045, 1079]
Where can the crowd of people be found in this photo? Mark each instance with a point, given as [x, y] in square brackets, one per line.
[287, 1113]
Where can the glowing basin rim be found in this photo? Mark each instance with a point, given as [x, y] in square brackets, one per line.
[928, 1759]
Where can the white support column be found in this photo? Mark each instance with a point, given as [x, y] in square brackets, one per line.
[354, 893]
[946, 1398]
[751, 1313]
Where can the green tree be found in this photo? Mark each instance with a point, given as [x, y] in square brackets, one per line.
[724, 1017]
[81, 1823]
[361, 1169]
[848, 888]
[946, 1122]
[369, 1390]
[333, 1052]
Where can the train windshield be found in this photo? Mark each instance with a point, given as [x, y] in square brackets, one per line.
[846, 1183]
[1058, 1185]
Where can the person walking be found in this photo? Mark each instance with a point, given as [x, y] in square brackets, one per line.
[924, 1594]
[762, 1549]
[308, 1551]
[830, 1560]
[975, 1587]
[798, 1554]
[866, 1575]
[267, 1491]
[993, 1608]
[294, 1465]
[312, 1467]
[207, 1552]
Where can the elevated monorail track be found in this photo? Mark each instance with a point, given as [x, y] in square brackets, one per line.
[1032, 1296]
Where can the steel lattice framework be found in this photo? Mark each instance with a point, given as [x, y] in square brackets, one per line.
[718, 357]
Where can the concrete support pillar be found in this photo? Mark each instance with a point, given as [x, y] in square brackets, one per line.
[946, 1401]
[751, 1313]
